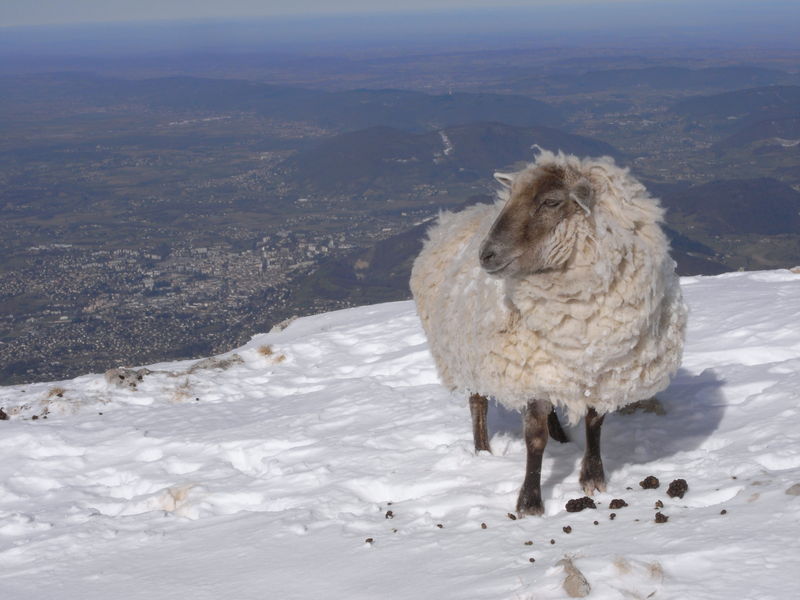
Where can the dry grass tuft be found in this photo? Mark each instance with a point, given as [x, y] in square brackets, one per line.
[269, 353]
[656, 571]
[622, 565]
[182, 392]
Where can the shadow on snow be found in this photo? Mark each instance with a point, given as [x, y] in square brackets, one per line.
[694, 407]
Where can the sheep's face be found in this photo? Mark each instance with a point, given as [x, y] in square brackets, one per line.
[537, 229]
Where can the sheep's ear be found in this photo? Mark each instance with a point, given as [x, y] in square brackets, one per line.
[504, 179]
[583, 194]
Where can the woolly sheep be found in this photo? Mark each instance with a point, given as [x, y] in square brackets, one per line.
[561, 293]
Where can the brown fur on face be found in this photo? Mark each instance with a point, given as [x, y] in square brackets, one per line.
[534, 232]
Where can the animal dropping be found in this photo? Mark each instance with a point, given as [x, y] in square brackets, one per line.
[677, 488]
[578, 504]
[649, 483]
[511, 295]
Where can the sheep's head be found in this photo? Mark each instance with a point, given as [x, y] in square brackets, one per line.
[537, 229]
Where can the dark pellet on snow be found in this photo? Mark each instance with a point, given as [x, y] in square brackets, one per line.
[533, 560]
[649, 483]
[567, 529]
[440, 526]
[578, 504]
[389, 514]
[597, 522]
[368, 540]
[661, 518]
[612, 516]
[512, 516]
[552, 541]
[723, 512]
[617, 503]
[529, 543]
[659, 504]
[483, 525]
[677, 488]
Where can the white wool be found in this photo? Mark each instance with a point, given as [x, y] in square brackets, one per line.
[605, 331]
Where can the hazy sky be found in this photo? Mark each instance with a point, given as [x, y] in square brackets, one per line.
[153, 26]
[49, 12]
[39, 12]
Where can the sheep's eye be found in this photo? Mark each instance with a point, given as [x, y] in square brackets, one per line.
[552, 201]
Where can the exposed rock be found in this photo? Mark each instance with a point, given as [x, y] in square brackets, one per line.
[575, 584]
[215, 363]
[127, 378]
[283, 324]
[794, 490]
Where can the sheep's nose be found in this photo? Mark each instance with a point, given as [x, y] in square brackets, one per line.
[487, 256]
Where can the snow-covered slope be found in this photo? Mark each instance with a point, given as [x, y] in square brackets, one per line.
[262, 476]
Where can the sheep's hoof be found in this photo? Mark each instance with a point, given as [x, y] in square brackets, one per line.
[592, 484]
[530, 506]
[483, 448]
[592, 477]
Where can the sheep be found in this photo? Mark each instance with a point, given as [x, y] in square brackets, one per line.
[561, 293]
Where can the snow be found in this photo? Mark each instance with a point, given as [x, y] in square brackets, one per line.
[263, 475]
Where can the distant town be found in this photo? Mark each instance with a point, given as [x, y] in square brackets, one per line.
[128, 306]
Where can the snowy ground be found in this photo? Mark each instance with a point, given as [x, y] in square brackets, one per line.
[262, 478]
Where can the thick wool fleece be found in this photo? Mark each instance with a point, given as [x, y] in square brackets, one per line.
[604, 331]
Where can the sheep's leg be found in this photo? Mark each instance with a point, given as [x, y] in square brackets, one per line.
[592, 474]
[478, 407]
[536, 433]
[554, 426]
